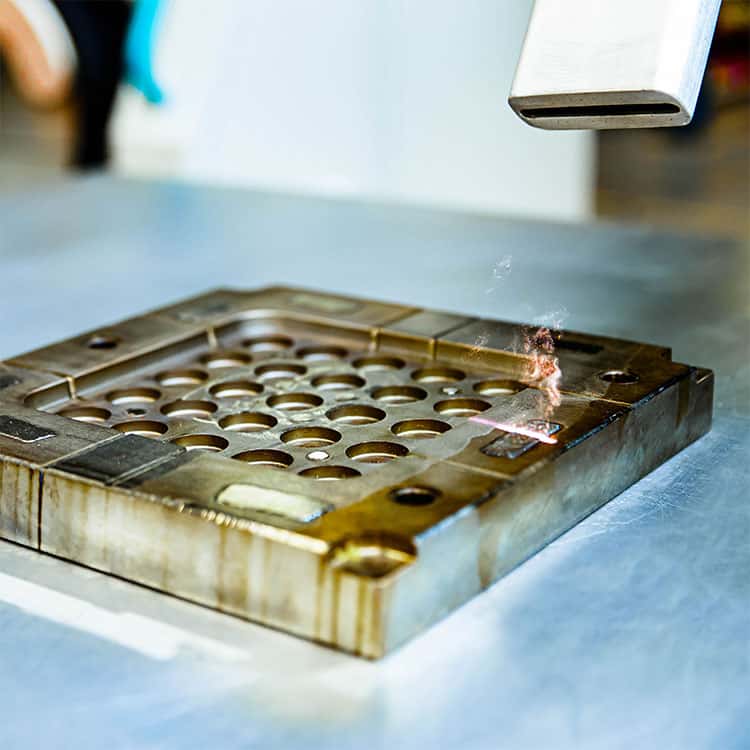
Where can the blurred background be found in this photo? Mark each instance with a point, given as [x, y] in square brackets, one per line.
[399, 101]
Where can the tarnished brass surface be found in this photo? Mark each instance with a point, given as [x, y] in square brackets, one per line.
[346, 470]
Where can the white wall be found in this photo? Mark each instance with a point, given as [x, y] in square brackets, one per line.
[400, 99]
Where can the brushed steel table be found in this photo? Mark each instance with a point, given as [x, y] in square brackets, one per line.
[631, 630]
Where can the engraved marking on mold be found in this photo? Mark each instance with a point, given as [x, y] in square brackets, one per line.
[8, 380]
[22, 431]
[249, 497]
[519, 438]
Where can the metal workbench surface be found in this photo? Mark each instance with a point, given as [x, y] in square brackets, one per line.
[632, 630]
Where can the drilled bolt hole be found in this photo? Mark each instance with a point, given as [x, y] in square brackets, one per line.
[414, 496]
[102, 342]
[621, 377]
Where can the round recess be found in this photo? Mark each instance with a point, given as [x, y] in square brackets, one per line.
[268, 343]
[142, 427]
[265, 457]
[420, 429]
[321, 353]
[181, 377]
[376, 363]
[280, 371]
[499, 387]
[294, 401]
[223, 359]
[330, 473]
[438, 375]
[90, 414]
[102, 341]
[399, 394]
[190, 409]
[356, 414]
[311, 437]
[338, 382]
[376, 452]
[236, 389]
[461, 407]
[210, 443]
[133, 396]
[621, 377]
[247, 421]
[414, 496]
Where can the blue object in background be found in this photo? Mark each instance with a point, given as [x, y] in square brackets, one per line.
[139, 49]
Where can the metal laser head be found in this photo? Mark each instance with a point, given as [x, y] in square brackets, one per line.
[601, 64]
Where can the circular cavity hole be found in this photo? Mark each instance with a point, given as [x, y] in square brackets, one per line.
[294, 401]
[622, 377]
[321, 353]
[265, 457]
[461, 407]
[399, 394]
[420, 428]
[142, 427]
[181, 377]
[280, 371]
[212, 443]
[102, 342]
[376, 452]
[373, 364]
[339, 382]
[438, 375]
[268, 343]
[330, 473]
[356, 414]
[499, 387]
[236, 389]
[91, 414]
[189, 409]
[247, 422]
[133, 396]
[318, 455]
[414, 496]
[311, 437]
[216, 360]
